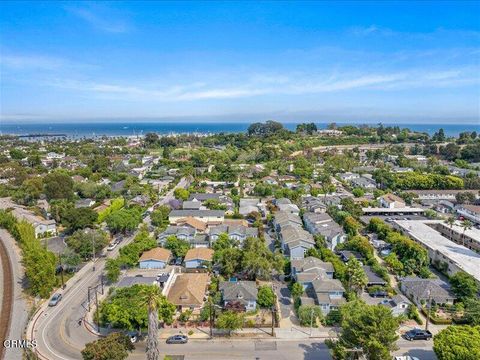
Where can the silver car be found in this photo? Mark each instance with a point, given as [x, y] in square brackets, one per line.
[55, 300]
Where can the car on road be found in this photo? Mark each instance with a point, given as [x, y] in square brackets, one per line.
[406, 357]
[177, 339]
[418, 334]
[112, 246]
[55, 300]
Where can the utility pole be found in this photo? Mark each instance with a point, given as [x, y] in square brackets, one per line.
[428, 309]
[96, 310]
[311, 321]
[88, 297]
[61, 270]
[93, 247]
[273, 318]
[211, 319]
[101, 282]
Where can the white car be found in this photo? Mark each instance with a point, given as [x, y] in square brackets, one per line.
[407, 357]
[112, 246]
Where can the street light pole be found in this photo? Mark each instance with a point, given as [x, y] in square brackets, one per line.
[428, 310]
[311, 321]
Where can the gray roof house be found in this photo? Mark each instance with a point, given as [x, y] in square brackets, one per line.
[322, 224]
[239, 292]
[306, 270]
[419, 290]
[373, 278]
[398, 304]
[84, 203]
[235, 232]
[186, 233]
[328, 294]
[364, 182]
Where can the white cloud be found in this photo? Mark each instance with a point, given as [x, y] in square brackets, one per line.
[101, 18]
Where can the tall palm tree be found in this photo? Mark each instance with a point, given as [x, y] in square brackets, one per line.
[450, 221]
[466, 225]
[153, 298]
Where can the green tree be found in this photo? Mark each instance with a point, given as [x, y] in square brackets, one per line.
[58, 185]
[371, 328]
[471, 312]
[265, 297]
[87, 242]
[466, 225]
[356, 277]
[229, 320]
[457, 343]
[79, 218]
[177, 246]
[160, 216]
[124, 220]
[297, 290]
[309, 315]
[153, 298]
[114, 346]
[112, 267]
[464, 285]
[181, 194]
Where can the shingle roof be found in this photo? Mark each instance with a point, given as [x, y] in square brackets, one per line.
[188, 289]
[157, 253]
[239, 290]
[200, 253]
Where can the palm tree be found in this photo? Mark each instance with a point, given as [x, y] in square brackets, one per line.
[153, 298]
[450, 221]
[466, 225]
[357, 279]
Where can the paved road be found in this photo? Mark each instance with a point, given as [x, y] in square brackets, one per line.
[306, 349]
[242, 350]
[56, 329]
[20, 308]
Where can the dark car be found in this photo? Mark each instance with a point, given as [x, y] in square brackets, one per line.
[177, 339]
[418, 334]
[379, 294]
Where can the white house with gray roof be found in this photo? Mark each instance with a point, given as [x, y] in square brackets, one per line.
[242, 292]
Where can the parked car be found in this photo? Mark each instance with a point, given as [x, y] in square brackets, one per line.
[55, 300]
[406, 357]
[418, 334]
[379, 293]
[177, 339]
[133, 336]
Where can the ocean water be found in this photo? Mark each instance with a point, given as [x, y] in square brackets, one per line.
[132, 128]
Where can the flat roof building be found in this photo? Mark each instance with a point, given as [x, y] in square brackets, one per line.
[456, 257]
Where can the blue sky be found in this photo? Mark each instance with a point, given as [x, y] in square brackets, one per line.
[229, 61]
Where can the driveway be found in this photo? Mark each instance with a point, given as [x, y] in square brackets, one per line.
[284, 298]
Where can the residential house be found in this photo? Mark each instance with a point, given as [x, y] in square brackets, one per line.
[345, 255]
[84, 203]
[348, 176]
[249, 205]
[188, 291]
[328, 294]
[41, 226]
[156, 258]
[237, 294]
[306, 270]
[364, 183]
[373, 278]
[420, 290]
[197, 257]
[193, 205]
[470, 212]
[235, 232]
[398, 304]
[322, 224]
[206, 216]
[313, 204]
[391, 201]
[294, 239]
